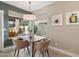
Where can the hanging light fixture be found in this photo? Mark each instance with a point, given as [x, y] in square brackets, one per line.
[29, 16]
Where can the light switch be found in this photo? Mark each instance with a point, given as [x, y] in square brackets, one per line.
[4, 29]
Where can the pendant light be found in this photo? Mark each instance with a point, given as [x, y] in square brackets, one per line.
[29, 16]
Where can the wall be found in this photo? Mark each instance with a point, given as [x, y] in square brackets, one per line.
[6, 8]
[66, 36]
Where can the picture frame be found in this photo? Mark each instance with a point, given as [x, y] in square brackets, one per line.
[57, 20]
[72, 18]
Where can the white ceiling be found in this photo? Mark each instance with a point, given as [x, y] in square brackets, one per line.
[36, 5]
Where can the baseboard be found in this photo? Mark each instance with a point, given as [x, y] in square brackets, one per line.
[64, 51]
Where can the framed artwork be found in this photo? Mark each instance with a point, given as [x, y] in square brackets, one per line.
[57, 19]
[72, 18]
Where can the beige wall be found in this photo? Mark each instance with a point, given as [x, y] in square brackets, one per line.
[66, 36]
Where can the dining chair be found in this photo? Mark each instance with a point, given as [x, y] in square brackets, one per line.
[42, 47]
[20, 44]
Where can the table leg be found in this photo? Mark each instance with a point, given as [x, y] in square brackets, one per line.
[32, 49]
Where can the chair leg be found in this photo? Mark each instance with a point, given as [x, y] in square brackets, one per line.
[42, 53]
[34, 52]
[28, 51]
[45, 51]
[15, 52]
[48, 52]
[24, 49]
[18, 53]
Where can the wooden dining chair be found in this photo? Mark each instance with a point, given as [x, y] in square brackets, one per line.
[42, 47]
[20, 44]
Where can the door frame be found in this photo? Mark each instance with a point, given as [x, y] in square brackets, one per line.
[2, 29]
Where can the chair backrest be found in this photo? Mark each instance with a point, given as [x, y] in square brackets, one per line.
[37, 45]
[42, 45]
[45, 44]
[19, 44]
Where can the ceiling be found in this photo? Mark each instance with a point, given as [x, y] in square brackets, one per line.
[36, 5]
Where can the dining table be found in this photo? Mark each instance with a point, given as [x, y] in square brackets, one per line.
[32, 40]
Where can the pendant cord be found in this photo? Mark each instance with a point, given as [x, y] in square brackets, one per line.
[30, 6]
